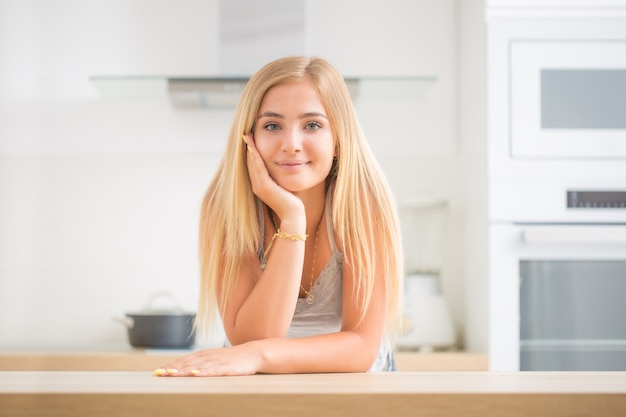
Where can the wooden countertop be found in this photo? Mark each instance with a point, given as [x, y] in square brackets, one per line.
[146, 360]
[139, 394]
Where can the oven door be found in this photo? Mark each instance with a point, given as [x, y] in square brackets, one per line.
[568, 98]
[557, 297]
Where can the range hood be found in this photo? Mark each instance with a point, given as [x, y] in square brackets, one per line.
[190, 93]
[251, 34]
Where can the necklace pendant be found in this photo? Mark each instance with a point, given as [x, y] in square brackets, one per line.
[309, 298]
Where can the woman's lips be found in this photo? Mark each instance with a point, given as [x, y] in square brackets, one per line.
[291, 165]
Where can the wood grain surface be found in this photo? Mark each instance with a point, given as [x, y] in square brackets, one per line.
[370, 394]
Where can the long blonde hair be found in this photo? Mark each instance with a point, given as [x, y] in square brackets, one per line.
[363, 210]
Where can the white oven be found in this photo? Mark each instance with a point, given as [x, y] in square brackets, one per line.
[558, 297]
[557, 277]
[556, 91]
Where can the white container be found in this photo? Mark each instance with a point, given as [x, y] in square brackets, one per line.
[427, 322]
[423, 223]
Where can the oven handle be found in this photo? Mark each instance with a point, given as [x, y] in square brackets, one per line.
[574, 234]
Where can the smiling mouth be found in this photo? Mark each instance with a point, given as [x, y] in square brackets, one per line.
[292, 164]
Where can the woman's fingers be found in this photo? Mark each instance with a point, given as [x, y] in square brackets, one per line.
[264, 186]
[239, 360]
[256, 167]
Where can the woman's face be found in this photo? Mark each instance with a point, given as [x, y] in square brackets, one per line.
[294, 137]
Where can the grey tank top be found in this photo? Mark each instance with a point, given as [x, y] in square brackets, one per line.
[324, 315]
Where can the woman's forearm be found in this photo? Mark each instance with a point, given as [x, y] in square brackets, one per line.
[343, 351]
[336, 352]
[268, 309]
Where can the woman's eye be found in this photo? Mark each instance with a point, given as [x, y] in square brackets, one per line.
[313, 126]
[271, 126]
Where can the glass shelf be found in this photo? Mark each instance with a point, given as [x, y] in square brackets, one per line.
[216, 92]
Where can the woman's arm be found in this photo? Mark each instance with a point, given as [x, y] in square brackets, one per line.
[263, 302]
[353, 349]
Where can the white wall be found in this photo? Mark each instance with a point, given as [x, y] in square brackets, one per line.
[99, 196]
[472, 136]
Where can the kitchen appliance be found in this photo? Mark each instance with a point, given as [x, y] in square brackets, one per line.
[557, 293]
[556, 98]
[557, 192]
[568, 98]
[427, 322]
[160, 327]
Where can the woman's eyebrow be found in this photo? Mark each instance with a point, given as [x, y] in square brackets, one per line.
[302, 116]
[313, 114]
[270, 114]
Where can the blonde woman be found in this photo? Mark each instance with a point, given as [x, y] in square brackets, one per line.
[300, 249]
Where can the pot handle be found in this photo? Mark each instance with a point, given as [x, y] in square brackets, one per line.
[127, 322]
[162, 294]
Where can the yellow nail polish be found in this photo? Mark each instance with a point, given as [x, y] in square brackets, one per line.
[194, 372]
[172, 371]
[244, 139]
[249, 148]
[159, 372]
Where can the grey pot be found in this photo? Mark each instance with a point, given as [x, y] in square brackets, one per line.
[162, 328]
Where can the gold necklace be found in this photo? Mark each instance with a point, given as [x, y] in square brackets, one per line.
[309, 299]
[309, 294]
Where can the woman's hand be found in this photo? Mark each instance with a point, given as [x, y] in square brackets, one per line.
[244, 359]
[271, 193]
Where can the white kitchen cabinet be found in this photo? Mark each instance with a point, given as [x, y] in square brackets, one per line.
[555, 8]
[542, 56]
[555, 3]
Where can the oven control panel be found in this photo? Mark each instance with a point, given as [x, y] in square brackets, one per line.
[581, 199]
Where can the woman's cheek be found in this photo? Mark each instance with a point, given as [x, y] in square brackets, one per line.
[266, 160]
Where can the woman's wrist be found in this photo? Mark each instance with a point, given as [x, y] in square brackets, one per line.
[259, 347]
[293, 226]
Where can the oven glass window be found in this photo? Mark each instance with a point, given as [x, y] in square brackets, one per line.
[583, 99]
[572, 315]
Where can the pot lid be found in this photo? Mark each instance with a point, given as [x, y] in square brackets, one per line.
[151, 309]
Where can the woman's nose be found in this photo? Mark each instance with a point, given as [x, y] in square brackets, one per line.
[292, 141]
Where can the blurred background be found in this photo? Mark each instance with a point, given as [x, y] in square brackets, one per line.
[103, 162]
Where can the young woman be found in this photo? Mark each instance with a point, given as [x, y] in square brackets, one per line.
[300, 249]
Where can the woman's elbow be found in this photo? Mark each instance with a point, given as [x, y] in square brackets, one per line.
[363, 359]
[240, 336]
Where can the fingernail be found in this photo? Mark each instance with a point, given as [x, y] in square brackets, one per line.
[159, 372]
[172, 371]
[194, 372]
[244, 139]
[249, 148]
